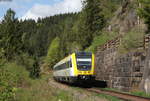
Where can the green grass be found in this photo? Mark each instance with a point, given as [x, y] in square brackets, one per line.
[103, 96]
[40, 90]
[137, 93]
[108, 97]
[27, 89]
[132, 40]
[12, 76]
[43, 94]
[112, 89]
[143, 94]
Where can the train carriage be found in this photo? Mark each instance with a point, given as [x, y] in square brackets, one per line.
[76, 67]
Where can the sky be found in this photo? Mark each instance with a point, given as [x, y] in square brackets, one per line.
[32, 9]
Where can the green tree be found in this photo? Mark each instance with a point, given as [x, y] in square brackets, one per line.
[92, 21]
[6, 85]
[145, 12]
[53, 54]
[35, 71]
[10, 35]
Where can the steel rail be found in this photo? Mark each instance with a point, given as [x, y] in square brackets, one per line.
[123, 96]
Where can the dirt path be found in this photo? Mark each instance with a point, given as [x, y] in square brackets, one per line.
[77, 94]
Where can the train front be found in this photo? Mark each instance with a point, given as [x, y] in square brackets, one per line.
[84, 69]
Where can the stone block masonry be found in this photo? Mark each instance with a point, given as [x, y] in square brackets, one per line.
[145, 83]
[126, 72]
[123, 72]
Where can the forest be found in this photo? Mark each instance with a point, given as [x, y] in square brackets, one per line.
[29, 43]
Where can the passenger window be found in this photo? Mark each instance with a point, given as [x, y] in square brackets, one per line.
[67, 64]
[70, 63]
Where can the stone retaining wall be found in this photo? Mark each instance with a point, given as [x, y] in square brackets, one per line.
[123, 72]
[126, 72]
[145, 83]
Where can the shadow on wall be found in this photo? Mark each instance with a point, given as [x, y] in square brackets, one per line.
[100, 84]
[95, 83]
[87, 84]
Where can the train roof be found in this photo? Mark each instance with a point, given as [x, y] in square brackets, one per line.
[63, 60]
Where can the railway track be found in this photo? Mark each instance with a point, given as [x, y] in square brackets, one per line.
[123, 96]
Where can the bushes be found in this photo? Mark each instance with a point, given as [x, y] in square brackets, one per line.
[132, 40]
[11, 77]
[35, 71]
[29, 63]
[6, 89]
[101, 39]
[53, 52]
[144, 12]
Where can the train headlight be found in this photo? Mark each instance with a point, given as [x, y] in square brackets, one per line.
[83, 77]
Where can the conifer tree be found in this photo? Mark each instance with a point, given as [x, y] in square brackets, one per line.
[145, 12]
[92, 21]
[11, 38]
[53, 54]
[35, 71]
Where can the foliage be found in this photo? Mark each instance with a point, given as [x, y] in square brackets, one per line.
[92, 21]
[42, 91]
[76, 31]
[6, 89]
[35, 71]
[25, 42]
[33, 38]
[100, 40]
[109, 7]
[30, 63]
[132, 40]
[140, 93]
[10, 41]
[25, 60]
[145, 12]
[137, 93]
[110, 98]
[11, 77]
[53, 52]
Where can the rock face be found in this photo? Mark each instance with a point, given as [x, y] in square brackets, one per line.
[129, 71]
[123, 72]
[125, 18]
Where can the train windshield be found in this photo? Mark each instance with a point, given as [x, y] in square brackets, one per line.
[84, 61]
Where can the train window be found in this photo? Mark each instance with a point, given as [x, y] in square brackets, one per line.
[56, 68]
[70, 63]
[84, 61]
[65, 65]
[83, 55]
